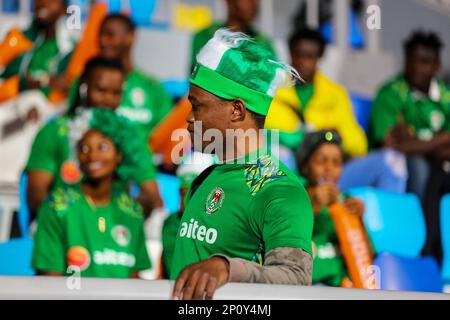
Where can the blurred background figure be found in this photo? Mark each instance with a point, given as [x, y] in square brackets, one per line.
[42, 67]
[411, 114]
[320, 160]
[241, 16]
[92, 227]
[318, 103]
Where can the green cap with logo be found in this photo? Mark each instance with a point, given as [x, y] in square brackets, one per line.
[232, 65]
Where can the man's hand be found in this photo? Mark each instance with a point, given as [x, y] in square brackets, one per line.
[198, 281]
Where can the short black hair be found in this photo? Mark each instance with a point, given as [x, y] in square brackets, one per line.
[91, 66]
[422, 38]
[125, 20]
[259, 119]
[307, 34]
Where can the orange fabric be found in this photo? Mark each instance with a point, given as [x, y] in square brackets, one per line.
[86, 49]
[9, 88]
[161, 137]
[14, 44]
[354, 244]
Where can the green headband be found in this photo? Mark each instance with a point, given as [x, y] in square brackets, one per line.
[225, 88]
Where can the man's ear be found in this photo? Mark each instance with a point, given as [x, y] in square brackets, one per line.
[239, 110]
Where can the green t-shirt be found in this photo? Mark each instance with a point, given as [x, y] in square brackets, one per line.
[102, 241]
[328, 267]
[145, 102]
[44, 60]
[51, 152]
[243, 211]
[305, 93]
[395, 103]
[169, 236]
[202, 37]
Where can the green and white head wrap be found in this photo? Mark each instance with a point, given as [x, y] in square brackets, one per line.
[118, 129]
[232, 65]
[192, 165]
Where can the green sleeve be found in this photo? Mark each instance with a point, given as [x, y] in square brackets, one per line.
[285, 216]
[385, 111]
[142, 260]
[43, 155]
[49, 252]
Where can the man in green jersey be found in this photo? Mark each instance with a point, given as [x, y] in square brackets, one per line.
[42, 67]
[248, 219]
[144, 100]
[411, 114]
[241, 15]
[92, 227]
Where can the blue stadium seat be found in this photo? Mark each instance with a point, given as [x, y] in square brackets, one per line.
[169, 188]
[176, 88]
[445, 235]
[15, 254]
[394, 221]
[15, 257]
[362, 107]
[142, 11]
[409, 274]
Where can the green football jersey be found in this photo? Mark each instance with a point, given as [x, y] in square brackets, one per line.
[169, 236]
[145, 102]
[243, 210]
[396, 103]
[51, 152]
[74, 235]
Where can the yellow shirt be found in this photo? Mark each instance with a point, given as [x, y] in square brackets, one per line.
[329, 108]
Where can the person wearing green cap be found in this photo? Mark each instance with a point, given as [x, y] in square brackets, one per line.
[94, 228]
[247, 219]
[241, 15]
[191, 166]
[320, 159]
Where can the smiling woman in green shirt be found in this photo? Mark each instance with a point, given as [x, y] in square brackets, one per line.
[93, 227]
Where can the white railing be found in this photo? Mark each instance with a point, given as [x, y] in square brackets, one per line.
[44, 288]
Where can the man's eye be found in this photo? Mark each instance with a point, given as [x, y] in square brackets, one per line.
[84, 149]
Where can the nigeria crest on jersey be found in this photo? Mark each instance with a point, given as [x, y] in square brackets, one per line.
[214, 200]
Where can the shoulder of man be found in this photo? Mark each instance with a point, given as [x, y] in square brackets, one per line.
[266, 173]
